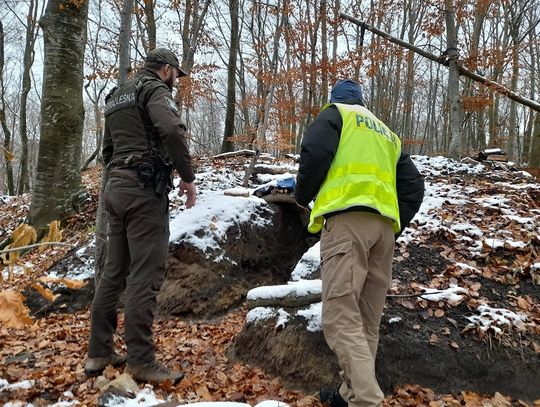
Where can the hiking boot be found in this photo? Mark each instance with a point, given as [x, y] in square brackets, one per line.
[332, 397]
[94, 366]
[153, 372]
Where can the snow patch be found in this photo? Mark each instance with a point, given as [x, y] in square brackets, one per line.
[310, 261]
[25, 385]
[292, 288]
[283, 318]
[260, 314]
[495, 319]
[313, 315]
[451, 294]
[206, 224]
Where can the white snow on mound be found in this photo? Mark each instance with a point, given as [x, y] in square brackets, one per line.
[313, 316]
[205, 225]
[292, 288]
[264, 313]
[260, 314]
[310, 261]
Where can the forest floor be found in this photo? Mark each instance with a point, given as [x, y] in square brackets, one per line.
[50, 352]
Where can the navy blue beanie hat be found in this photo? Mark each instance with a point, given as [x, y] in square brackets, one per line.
[347, 91]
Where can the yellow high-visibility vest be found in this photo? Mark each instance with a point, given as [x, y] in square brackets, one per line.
[363, 172]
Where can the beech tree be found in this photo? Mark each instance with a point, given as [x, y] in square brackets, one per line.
[534, 160]
[32, 29]
[6, 147]
[58, 179]
[234, 45]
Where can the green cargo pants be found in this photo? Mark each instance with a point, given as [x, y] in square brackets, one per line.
[138, 241]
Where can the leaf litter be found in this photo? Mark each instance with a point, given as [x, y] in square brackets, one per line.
[43, 362]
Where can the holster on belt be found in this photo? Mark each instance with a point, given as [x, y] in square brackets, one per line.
[162, 181]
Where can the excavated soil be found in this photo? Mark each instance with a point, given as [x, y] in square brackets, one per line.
[196, 286]
[451, 363]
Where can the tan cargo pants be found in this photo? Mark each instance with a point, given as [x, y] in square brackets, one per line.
[356, 254]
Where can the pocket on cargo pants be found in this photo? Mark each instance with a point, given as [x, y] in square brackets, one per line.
[337, 270]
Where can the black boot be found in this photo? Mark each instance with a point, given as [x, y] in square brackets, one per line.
[332, 397]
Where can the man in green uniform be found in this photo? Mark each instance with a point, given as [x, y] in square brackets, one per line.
[144, 139]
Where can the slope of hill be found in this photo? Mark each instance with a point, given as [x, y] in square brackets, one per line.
[477, 235]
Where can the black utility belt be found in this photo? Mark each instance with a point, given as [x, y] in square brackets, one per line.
[149, 173]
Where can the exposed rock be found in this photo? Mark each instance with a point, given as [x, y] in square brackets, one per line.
[124, 382]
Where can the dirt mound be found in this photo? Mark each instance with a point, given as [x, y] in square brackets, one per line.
[416, 347]
[197, 285]
[254, 255]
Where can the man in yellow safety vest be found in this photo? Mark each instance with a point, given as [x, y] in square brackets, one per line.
[366, 191]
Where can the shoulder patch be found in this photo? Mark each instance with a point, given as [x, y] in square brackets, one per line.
[171, 103]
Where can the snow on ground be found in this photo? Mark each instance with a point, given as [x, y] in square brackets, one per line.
[144, 398]
[310, 261]
[495, 319]
[426, 222]
[451, 294]
[25, 384]
[83, 270]
[17, 269]
[437, 194]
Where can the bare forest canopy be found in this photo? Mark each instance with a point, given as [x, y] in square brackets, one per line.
[261, 70]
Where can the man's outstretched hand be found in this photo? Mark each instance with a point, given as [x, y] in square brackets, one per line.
[190, 190]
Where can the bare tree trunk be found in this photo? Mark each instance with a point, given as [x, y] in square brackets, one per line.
[512, 118]
[3, 122]
[227, 144]
[99, 124]
[124, 40]
[28, 59]
[534, 72]
[193, 22]
[289, 46]
[534, 159]
[456, 122]
[124, 68]
[149, 6]
[58, 179]
[324, 48]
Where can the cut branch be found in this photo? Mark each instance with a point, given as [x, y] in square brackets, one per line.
[497, 87]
